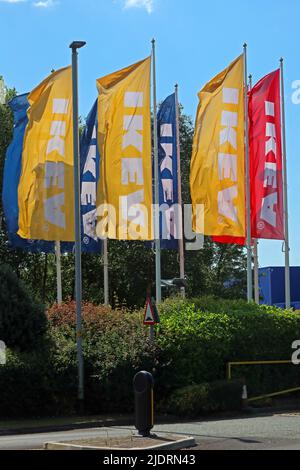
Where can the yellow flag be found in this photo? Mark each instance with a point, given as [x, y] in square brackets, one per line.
[218, 161]
[46, 202]
[124, 139]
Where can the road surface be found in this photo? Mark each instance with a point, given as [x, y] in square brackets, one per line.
[278, 431]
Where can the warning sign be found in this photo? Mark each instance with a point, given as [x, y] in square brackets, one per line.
[151, 314]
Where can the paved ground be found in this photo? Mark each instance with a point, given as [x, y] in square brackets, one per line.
[280, 431]
[63, 423]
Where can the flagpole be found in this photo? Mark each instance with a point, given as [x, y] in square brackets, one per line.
[106, 278]
[58, 272]
[255, 247]
[156, 185]
[181, 233]
[248, 194]
[78, 266]
[285, 194]
[256, 271]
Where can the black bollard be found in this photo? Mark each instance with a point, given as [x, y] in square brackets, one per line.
[143, 385]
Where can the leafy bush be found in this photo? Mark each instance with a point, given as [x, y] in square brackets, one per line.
[31, 385]
[196, 400]
[65, 314]
[22, 320]
[115, 344]
[194, 342]
[199, 337]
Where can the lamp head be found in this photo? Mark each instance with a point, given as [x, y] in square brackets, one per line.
[77, 45]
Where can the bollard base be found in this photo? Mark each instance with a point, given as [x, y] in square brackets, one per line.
[145, 434]
[125, 443]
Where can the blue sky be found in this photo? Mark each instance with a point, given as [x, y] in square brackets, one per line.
[195, 40]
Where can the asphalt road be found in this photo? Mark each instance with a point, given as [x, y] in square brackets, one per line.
[275, 432]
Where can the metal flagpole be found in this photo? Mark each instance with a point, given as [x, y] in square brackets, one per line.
[2, 91]
[255, 247]
[156, 183]
[106, 285]
[256, 271]
[78, 268]
[58, 272]
[248, 201]
[181, 239]
[285, 195]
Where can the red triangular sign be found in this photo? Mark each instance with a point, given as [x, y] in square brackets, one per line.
[149, 317]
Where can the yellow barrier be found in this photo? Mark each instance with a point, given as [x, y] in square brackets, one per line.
[248, 363]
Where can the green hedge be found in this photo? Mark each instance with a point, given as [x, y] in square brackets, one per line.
[115, 345]
[196, 400]
[31, 386]
[202, 335]
[22, 319]
[194, 342]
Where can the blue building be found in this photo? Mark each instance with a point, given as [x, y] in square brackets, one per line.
[272, 286]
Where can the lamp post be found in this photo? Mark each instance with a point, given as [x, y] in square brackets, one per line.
[78, 268]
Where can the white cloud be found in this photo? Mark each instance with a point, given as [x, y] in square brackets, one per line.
[44, 4]
[147, 4]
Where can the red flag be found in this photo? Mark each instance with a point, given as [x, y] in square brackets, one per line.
[230, 240]
[266, 158]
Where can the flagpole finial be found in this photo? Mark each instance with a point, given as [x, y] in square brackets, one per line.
[281, 60]
[245, 45]
[153, 42]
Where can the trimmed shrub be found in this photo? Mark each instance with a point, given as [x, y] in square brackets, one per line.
[194, 342]
[22, 320]
[200, 337]
[115, 345]
[64, 315]
[31, 386]
[196, 400]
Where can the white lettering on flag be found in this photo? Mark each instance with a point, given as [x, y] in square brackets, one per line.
[89, 224]
[229, 134]
[167, 189]
[133, 124]
[227, 166]
[134, 99]
[270, 175]
[88, 193]
[54, 175]
[90, 164]
[132, 171]
[53, 212]
[268, 213]
[225, 203]
[227, 162]
[231, 95]
[55, 171]
[166, 130]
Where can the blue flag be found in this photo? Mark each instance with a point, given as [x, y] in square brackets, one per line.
[168, 174]
[12, 172]
[90, 172]
[11, 178]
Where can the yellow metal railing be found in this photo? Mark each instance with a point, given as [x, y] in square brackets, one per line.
[230, 365]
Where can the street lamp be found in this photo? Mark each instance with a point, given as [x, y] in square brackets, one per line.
[78, 267]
